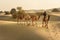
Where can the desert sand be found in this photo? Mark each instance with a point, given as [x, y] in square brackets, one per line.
[10, 30]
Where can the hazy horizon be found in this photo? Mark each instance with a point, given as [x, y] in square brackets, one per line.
[29, 4]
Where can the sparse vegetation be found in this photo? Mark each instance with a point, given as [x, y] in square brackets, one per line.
[6, 12]
[13, 12]
[55, 10]
[1, 11]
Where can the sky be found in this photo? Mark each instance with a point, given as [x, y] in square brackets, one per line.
[29, 4]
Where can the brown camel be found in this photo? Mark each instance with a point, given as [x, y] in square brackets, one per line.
[34, 18]
[20, 16]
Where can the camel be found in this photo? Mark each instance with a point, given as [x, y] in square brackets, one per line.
[46, 18]
[20, 16]
[34, 18]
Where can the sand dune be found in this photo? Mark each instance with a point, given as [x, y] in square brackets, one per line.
[13, 31]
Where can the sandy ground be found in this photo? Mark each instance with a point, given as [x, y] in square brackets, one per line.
[10, 30]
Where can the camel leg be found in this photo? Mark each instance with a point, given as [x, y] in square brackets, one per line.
[28, 23]
[32, 23]
[46, 24]
[17, 21]
[43, 24]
